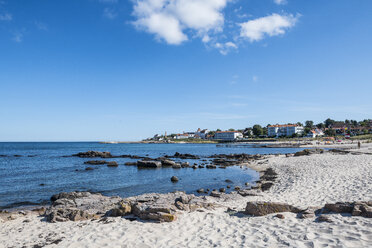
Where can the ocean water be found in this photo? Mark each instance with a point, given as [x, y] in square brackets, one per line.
[41, 170]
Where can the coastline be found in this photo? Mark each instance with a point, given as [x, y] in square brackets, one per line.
[302, 181]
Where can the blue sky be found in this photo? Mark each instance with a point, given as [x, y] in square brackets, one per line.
[124, 70]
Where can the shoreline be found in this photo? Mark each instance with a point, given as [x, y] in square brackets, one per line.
[303, 181]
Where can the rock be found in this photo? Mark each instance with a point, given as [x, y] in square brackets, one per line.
[266, 186]
[95, 162]
[148, 164]
[215, 193]
[185, 156]
[174, 179]
[362, 209]
[237, 188]
[200, 191]
[93, 154]
[152, 211]
[339, 207]
[247, 193]
[112, 164]
[167, 163]
[176, 166]
[323, 218]
[211, 166]
[264, 208]
[89, 168]
[308, 213]
[279, 216]
[123, 208]
[246, 184]
[222, 190]
[194, 167]
[185, 164]
[309, 152]
[201, 166]
[131, 163]
[228, 186]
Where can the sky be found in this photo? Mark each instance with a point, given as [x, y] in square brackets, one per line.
[92, 70]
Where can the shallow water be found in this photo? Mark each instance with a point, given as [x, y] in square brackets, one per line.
[43, 163]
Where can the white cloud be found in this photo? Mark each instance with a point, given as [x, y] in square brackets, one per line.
[6, 17]
[225, 48]
[271, 25]
[169, 20]
[109, 13]
[280, 2]
[17, 36]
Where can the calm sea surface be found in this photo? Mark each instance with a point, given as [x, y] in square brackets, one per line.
[42, 163]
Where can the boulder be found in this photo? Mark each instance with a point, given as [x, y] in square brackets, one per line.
[176, 166]
[123, 208]
[200, 191]
[95, 162]
[167, 163]
[339, 207]
[323, 218]
[148, 164]
[174, 179]
[222, 190]
[185, 164]
[265, 208]
[112, 164]
[211, 166]
[215, 193]
[93, 154]
[61, 215]
[309, 152]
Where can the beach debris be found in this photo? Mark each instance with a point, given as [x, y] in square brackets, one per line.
[264, 208]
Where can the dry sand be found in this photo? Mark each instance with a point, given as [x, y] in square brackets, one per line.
[302, 181]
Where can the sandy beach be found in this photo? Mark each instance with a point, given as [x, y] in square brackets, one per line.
[302, 181]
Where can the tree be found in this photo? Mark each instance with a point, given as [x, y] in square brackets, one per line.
[320, 125]
[307, 130]
[329, 122]
[299, 124]
[330, 132]
[218, 130]
[257, 130]
[309, 124]
[231, 129]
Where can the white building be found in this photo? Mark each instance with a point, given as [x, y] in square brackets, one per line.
[201, 133]
[228, 135]
[284, 130]
[315, 133]
[185, 135]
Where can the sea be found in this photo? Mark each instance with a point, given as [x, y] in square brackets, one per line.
[31, 172]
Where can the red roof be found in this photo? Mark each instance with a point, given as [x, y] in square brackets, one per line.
[289, 125]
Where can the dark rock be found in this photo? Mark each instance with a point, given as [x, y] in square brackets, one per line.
[246, 193]
[194, 167]
[279, 216]
[131, 163]
[148, 164]
[228, 186]
[309, 152]
[93, 154]
[211, 166]
[339, 207]
[95, 162]
[200, 191]
[323, 218]
[264, 208]
[174, 179]
[89, 168]
[112, 164]
[222, 190]
[266, 186]
[201, 166]
[215, 193]
[228, 181]
[237, 188]
[167, 163]
[185, 164]
[42, 184]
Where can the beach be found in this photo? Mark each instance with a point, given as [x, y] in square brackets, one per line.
[302, 181]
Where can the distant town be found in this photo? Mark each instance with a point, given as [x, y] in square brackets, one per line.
[328, 128]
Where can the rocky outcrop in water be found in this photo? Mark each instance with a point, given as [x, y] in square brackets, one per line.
[93, 154]
[148, 164]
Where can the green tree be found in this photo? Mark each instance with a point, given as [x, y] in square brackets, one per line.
[320, 125]
[218, 130]
[309, 124]
[257, 130]
[330, 132]
[231, 129]
[329, 122]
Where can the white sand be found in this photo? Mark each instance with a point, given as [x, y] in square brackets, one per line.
[303, 181]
